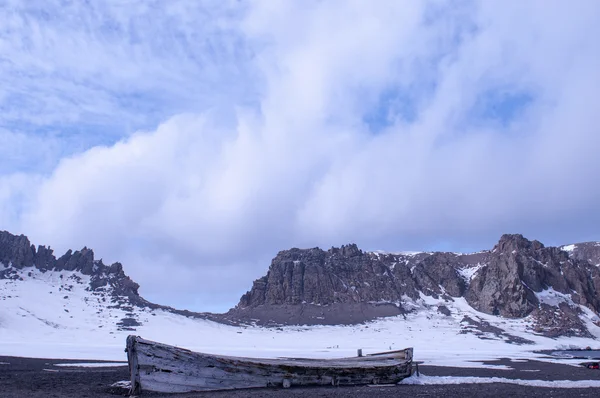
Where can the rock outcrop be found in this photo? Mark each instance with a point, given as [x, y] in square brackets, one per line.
[16, 252]
[107, 281]
[506, 281]
[519, 268]
[517, 278]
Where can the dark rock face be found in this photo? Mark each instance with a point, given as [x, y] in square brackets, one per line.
[16, 250]
[587, 251]
[565, 322]
[314, 276]
[503, 281]
[19, 253]
[518, 268]
[349, 275]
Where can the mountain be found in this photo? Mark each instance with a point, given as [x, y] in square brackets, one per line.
[85, 287]
[555, 288]
[512, 293]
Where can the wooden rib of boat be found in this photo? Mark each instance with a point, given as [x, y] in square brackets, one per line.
[164, 368]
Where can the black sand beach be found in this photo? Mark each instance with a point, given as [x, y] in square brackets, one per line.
[28, 377]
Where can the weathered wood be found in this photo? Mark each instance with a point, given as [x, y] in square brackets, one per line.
[164, 368]
[132, 361]
[404, 353]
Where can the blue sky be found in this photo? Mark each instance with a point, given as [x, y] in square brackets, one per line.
[87, 74]
[193, 140]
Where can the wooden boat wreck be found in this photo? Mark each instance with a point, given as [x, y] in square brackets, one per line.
[164, 368]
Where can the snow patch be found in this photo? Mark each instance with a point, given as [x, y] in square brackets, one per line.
[469, 272]
[404, 253]
[122, 384]
[92, 364]
[437, 380]
[568, 248]
[552, 297]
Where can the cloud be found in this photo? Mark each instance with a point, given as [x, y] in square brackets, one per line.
[422, 126]
[93, 73]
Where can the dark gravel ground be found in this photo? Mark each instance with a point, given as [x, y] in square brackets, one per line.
[27, 377]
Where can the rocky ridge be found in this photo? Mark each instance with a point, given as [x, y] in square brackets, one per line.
[555, 289]
[518, 278]
[107, 283]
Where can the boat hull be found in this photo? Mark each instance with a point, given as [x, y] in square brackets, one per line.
[163, 368]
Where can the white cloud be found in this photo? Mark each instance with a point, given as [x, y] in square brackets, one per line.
[197, 207]
[103, 70]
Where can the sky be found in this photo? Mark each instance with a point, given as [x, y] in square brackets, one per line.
[193, 140]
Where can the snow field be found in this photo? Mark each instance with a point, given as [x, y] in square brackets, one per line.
[34, 323]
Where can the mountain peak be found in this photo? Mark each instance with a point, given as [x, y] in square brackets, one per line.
[17, 253]
[516, 242]
[349, 250]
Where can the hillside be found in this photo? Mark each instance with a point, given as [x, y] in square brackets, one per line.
[520, 295]
[554, 288]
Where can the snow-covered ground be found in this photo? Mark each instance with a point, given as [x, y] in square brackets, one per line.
[91, 364]
[429, 380]
[52, 315]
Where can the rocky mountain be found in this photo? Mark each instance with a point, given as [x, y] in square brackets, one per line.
[551, 286]
[107, 289]
[547, 291]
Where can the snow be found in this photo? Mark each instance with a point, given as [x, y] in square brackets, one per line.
[122, 384]
[552, 297]
[468, 273]
[539, 262]
[404, 253]
[429, 380]
[34, 323]
[568, 248]
[92, 364]
[409, 253]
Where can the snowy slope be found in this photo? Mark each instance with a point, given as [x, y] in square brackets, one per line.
[55, 314]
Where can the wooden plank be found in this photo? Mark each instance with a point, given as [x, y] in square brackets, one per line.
[132, 361]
